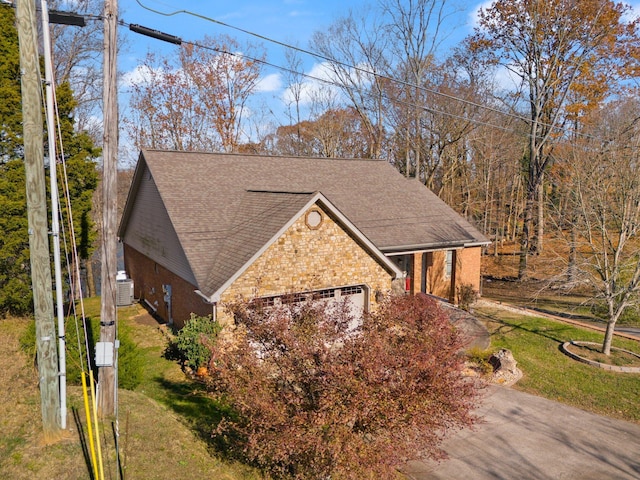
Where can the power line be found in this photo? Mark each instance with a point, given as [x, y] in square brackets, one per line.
[178, 41]
[353, 67]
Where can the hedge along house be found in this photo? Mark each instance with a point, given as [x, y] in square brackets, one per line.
[204, 229]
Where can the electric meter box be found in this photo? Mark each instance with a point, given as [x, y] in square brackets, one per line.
[104, 354]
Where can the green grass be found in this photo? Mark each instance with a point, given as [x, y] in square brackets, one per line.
[164, 382]
[549, 373]
[165, 423]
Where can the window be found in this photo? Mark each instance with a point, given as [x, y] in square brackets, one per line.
[325, 294]
[449, 264]
[313, 219]
[350, 290]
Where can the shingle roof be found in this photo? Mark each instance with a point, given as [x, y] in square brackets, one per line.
[214, 201]
[260, 215]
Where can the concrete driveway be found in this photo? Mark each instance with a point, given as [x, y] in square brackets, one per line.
[527, 437]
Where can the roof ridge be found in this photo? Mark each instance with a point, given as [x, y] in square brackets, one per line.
[261, 155]
[281, 192]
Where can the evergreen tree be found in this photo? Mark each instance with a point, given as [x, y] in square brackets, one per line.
[10, 110]
[79, 153]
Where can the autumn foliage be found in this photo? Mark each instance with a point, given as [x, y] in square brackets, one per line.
[316, 397]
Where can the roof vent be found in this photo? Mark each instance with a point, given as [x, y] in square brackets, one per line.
[313, 219]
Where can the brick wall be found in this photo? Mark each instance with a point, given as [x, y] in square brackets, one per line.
[305, 259]
[466, 270]
[468, 267]
[415, 273]
[149, 277]
[439, 283]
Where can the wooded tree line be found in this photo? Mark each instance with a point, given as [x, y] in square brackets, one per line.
[484, 147]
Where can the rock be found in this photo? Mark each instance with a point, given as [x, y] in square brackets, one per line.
[505, 371]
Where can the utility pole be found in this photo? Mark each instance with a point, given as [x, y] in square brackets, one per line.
[55, 211]
[107, 388]
[37, 218]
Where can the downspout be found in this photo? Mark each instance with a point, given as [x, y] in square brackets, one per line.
[213, 301]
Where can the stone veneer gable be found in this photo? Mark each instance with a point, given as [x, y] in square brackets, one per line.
[308, 258]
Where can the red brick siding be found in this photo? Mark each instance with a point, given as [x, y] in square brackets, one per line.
[466, 271]
[149, 277]
[468, 267]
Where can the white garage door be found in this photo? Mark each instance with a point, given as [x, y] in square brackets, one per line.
[355, 295]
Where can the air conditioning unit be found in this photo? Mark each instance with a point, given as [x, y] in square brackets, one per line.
[124, 292]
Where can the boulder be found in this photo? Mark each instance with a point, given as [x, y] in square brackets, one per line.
[505, 370]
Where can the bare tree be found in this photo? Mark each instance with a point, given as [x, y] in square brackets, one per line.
[358, 40]
[414, 36]
[197, 102]
[602, 174]
[294, 96]
[77, 54]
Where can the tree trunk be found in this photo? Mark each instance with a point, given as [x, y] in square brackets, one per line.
[540, 227]
[573, 254]
[526, 233]
[608, 337]
[91, 283]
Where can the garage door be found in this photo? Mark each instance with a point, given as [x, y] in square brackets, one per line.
[355, 295]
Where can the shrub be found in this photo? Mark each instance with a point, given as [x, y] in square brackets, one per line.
[316, 399]
[28, 339]
[193, 342]
[480, 359]
[467, 296]
[130, 360]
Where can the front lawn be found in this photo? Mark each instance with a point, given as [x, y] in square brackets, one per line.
[535, 343]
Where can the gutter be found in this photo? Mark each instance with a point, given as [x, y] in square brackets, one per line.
[211, 301]
[405, 249]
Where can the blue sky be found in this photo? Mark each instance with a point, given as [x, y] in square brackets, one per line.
[287, 21]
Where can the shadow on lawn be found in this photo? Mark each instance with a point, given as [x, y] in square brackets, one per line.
[557, 333]
[191, 401]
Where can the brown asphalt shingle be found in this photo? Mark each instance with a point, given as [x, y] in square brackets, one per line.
[223, 213]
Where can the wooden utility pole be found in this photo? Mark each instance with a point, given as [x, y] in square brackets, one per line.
[55, 211]
[37, 218]
[107, 393]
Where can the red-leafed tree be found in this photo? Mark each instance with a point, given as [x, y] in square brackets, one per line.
[315, 397]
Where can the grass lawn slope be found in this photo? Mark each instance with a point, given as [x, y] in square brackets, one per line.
[163, 425]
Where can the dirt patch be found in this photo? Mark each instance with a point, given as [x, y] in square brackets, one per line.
[145, 318]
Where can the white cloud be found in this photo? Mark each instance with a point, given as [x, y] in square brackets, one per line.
[322, 71]
[506, 79]
[317, 84]
[139, 74]
[270, 83]
[474, 13]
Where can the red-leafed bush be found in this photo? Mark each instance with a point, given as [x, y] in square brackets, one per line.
[315, 397]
